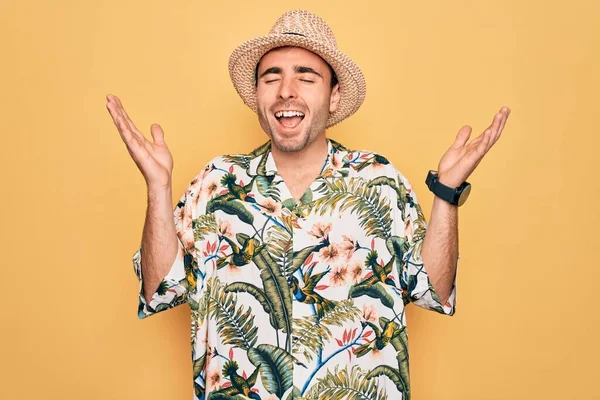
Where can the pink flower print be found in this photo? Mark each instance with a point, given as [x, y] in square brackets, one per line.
[356, 271]
[213, 379]
[224, 228]
[271, 207]
[338, 275]
[347, 247]
[330, 254]
[209, 190]
[369, 313]
[320, 230]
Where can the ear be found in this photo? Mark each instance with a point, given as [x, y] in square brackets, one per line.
[334, 98]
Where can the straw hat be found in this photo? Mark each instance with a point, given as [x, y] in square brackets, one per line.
[309, 31]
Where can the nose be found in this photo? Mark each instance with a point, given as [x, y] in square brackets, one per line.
[287, 89]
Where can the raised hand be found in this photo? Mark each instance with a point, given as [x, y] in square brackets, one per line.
[462, 158]
[153, 159]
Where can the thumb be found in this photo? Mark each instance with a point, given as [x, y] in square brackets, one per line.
[461, 138]
[157, 134]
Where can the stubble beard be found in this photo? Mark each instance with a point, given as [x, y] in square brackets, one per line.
[308, 134]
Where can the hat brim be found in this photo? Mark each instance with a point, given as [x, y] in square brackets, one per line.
[245, 57]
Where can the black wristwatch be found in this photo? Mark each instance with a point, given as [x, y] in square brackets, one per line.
[455, 196]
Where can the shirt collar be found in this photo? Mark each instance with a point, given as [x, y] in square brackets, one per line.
[336, 163]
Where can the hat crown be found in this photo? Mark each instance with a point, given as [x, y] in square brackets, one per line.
[304, 23]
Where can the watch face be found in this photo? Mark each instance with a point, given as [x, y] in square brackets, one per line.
[464, 195]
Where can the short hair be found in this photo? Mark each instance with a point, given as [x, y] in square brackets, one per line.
[332, 82]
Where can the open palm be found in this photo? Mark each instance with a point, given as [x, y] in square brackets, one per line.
[153, 159]
[462, 158]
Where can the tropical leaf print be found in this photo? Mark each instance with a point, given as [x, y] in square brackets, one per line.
[276, 366]
[399, 376]
[398, 247]
[235, 324]
[280, 248]
[241, 160]
[354, 194]
[310, 333]
[344, 385]
[260, 296]
[276, 288]
[203, 225]
[400, 189]
[376, 291]
[264, 185]
[232, 207]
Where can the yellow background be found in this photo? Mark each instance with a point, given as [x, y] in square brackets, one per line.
[73, 203]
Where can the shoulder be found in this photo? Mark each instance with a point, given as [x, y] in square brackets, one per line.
[239, 165]
[370, 165]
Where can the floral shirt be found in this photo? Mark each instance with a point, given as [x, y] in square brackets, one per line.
[298, 299]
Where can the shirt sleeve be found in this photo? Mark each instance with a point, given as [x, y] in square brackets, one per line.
[414, 281]
[182, 278]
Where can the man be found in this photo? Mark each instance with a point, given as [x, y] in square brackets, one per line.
[298, 258]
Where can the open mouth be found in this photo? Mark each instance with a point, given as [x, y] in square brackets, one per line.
[289, 119]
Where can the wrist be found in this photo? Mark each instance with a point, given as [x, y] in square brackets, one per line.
[160, 192]
[449, 190]
[449, 181]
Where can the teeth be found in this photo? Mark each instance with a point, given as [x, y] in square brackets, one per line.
[280, 114]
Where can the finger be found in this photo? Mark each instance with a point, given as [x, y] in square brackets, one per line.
[462, 136]
[128, 120]
[130, 139]
[505, 113]
[495, 129]
[485, 141]
[119, 122]
[135, 147]
[157, 134]
[110, 106]
[115, 112]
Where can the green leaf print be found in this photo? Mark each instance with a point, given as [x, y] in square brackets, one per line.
[373, 210]
[307, 197]
[234, 324]
[293, 394]
[280, 248]
[376, 291]
[401, 192]
[260, 296]
[399, 376]
[394, 376]
[265, 186]
[397, 246]
[276, 287]
[198, 365]
[301, 256]
[276, 367]
[232, 207]
[203, 225]
[310, 333]
[344, 385]
[241, 160]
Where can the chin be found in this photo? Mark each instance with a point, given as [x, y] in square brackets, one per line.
[289, 144]
[289, 141]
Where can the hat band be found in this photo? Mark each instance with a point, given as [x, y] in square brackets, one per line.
[294, 33]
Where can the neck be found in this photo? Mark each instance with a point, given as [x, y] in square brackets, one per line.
[307, 160]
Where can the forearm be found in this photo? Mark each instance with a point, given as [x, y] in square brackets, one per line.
[159, 240]
[440, 247]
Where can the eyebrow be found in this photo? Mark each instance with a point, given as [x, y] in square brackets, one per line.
[297, 68]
